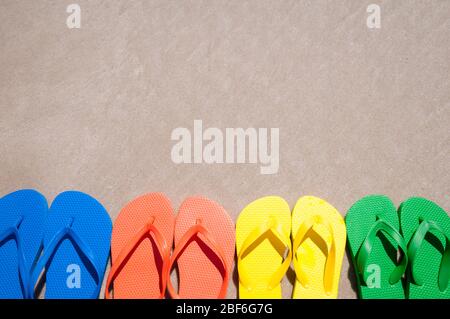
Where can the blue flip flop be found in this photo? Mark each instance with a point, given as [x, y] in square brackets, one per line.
[22, 216]
[76, 243]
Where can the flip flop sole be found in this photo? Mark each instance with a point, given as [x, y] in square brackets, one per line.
[383, 259]
[140, 276]
[69, 275]
[199, 268]
[426, 265]
[266, 257]
[311, 256]
[30, 207]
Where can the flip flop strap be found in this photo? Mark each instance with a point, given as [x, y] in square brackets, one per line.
[23, 272]
[130, 247]
[366, 247]
[209, 240]
[50, 250]
[330, 263]
[415, 244]
[254, 236]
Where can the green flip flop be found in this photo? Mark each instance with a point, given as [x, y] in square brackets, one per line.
[373, 240]
[426, 228]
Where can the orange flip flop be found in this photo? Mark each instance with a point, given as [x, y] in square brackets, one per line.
[204, 250]
[142, 237]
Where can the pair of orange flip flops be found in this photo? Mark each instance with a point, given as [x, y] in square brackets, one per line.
[203, 236]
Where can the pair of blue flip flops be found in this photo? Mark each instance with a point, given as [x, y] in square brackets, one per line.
[69, 243]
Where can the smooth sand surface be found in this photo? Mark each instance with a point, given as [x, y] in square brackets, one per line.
[360, 110]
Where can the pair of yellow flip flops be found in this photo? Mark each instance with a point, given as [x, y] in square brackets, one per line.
[264, 231]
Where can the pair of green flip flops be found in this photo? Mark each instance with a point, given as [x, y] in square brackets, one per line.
[420, 230]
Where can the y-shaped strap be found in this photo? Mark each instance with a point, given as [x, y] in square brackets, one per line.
[130, 247]
[330, 264]
[254, 236]
[13, 231]
[416, 242]
[365, 250]
[184, 241]
[49, 251]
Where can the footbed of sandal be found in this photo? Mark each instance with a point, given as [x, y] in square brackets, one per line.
[204, 244]
[263, 247]
[426, 228]
[373, 231]
[141, 241]
[319, 238]
[76, 244]
[22, 216]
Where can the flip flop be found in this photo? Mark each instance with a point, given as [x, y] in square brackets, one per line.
[22, 216]
[373, 240]
[76, 248]
[318, 236]
[204, 250]
[262, 238]
[140, 250]
[426, 228]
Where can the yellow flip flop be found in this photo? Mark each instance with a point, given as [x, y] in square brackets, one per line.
[262, 238]
[319, 237]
